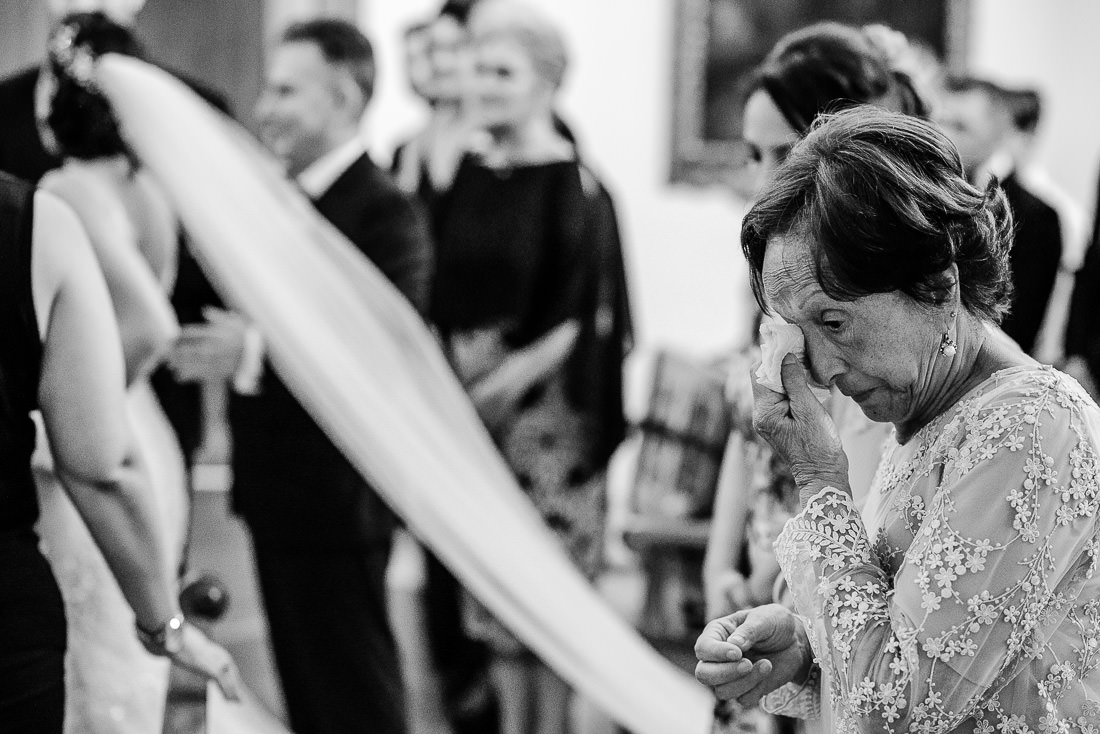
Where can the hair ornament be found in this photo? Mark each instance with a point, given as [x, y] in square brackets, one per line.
[73, 58]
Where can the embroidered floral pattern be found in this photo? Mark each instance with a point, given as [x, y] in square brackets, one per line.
[975, 608]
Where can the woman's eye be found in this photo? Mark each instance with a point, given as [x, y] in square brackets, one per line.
[833, 325]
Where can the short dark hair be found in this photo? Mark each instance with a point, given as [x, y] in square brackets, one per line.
[341, 44]
[80, 117]
[829, 66]
[884, 199]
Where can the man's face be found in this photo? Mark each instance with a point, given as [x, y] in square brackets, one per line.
[975, 125]
[300, 105]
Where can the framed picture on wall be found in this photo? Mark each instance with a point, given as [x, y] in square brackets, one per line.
[719, 42]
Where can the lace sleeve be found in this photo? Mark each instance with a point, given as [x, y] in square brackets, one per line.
[995, 560]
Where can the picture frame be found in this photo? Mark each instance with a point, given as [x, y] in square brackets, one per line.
[717, 43]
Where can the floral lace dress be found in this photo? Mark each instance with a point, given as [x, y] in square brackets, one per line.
[965, 599]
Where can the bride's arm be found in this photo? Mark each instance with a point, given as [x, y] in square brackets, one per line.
[82, 400]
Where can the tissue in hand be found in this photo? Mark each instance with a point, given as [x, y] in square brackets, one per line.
[777, 340]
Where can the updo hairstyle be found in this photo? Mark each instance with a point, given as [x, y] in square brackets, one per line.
[882, 198]
[79, 116]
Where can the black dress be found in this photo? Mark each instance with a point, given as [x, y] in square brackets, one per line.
[520, 251]
[32, 616]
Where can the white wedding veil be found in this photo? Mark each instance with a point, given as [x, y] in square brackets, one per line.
[363, 363]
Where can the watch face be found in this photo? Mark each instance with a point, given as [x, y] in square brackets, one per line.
[173, 635]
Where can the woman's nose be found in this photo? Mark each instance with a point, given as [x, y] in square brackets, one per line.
[825, 362]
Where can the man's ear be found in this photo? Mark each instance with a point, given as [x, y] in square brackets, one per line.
[348, 94]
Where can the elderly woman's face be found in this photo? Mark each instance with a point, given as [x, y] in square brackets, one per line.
[879, 350]
[508, 89]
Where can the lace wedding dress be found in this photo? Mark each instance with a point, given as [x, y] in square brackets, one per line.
[965, 598]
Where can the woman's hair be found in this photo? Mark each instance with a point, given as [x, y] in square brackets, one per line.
[529, 28]
[80, 117]
[829, 66]
[883, 201]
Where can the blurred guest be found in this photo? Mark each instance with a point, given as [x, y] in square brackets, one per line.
[1025, 106]
[321, 534]
[821, 68]
[528, 317]
[976, 115]
[425, 164]
[1082, 330]
[113, 684]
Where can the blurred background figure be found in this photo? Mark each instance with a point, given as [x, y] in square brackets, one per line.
[321, 535]
[114, 685]
[529, 302]
[425, 164]
[1082, 347]
[1026, 108]
[977, 116]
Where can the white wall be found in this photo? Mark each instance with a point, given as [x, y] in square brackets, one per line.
[682, 244]
[1053, 45]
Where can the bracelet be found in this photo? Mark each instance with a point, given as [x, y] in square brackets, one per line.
[166, 640]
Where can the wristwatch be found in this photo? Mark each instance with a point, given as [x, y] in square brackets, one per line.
[166, 640]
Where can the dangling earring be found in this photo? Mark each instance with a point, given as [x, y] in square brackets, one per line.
[948, 346]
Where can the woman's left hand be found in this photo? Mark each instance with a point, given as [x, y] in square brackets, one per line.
[799, 430]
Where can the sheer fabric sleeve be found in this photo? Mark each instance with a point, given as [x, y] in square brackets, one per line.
[1006, 533]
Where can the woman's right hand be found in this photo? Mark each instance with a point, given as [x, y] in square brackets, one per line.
[199, 654]
[800, 430]
[751, 653]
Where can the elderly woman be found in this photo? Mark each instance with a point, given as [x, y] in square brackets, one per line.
[964, 597]
[820, 68]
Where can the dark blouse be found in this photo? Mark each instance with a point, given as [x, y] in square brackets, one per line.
[526, 248]
[511, 251]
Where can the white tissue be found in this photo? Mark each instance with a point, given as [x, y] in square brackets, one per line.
[777, 340]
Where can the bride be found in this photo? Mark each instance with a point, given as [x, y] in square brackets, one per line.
[113, 684]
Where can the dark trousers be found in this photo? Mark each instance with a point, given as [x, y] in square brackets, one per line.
[334, 649]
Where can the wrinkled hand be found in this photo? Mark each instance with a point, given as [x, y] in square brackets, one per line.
[751, 653]
[210, 351]
[200, 655]
[799, 429]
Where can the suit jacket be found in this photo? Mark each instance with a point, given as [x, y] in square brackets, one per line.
[21, 151]
[1036, 253]
[1082, 330]
[291, 484]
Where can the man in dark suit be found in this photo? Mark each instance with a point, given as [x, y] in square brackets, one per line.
[21, 151]
[1082, 331]
[977, 116]
[321, 535]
